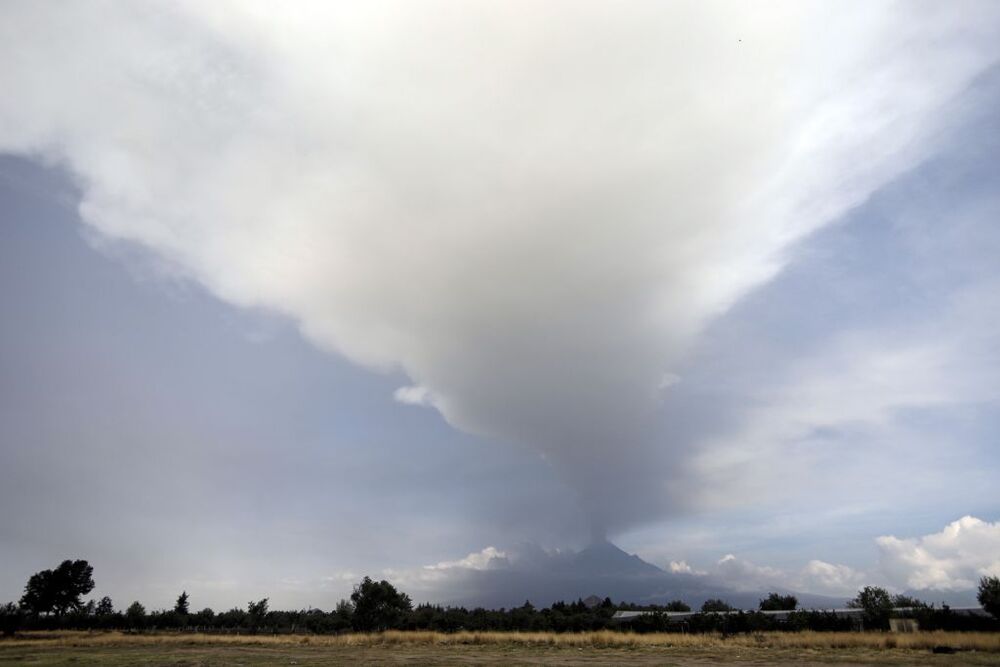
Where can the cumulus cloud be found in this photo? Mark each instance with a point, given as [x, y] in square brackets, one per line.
[477, 560]
[830, 578]
[816, 577]
[681, 567]
[949, 561]
[953, 559]
[531, 211]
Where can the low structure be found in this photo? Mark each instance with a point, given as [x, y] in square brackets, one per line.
[626, 617]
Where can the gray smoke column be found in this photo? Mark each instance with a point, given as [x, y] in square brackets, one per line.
[530, 209]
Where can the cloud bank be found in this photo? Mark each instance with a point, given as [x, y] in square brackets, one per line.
[530, 211]
[953, 559]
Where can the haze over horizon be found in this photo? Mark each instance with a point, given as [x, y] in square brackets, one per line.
[443, 292]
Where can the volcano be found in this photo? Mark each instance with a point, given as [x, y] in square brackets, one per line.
[602, 569]
[604, 558]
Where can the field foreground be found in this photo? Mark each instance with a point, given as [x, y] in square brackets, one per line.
[500, 648]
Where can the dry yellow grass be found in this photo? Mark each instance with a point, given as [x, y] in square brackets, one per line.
[979, 641]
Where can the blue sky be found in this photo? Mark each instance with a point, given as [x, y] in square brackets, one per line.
[291, 299]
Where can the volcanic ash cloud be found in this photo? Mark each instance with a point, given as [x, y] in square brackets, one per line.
[531, 210]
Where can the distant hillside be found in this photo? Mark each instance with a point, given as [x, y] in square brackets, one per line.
[600, 569]
[604, 558]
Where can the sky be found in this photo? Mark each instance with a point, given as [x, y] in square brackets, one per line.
[415, 289]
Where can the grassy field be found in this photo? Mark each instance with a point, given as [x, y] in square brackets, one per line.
[494, 648]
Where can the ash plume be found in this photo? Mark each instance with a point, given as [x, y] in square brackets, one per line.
[530, 210]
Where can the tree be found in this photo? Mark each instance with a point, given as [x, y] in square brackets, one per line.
[712, 605]
[37, 598]
[136, 615]
[256, 611]
[677, 605]
[778, 602]
[58, 590]
[104, 607]
[10, 619]
[876, 603]
[204, 617]
[182, 604]
[344, 614]
[905, 601]
[378, 605]
[989, 595]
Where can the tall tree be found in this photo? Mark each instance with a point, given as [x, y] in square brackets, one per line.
[136, 615]
[989, 595]
[344, 613]
[182, 604]
[256, 611]
[378, 605]
[58, 590]
[877, 605]
[37, 598]
[105, 607]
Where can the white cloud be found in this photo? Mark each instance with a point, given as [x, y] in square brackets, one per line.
[744, 575]
[532, 211]
[953, 559]
[681, 567]
[490, 557]
[668, 380]
[414, 395]
[950, 561]
[344, 576]
[802, 431]
[830, 579]
[817, 577]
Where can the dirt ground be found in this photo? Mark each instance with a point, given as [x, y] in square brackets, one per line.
[190, 656]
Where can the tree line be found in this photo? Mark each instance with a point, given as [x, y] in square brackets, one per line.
[53, 599]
